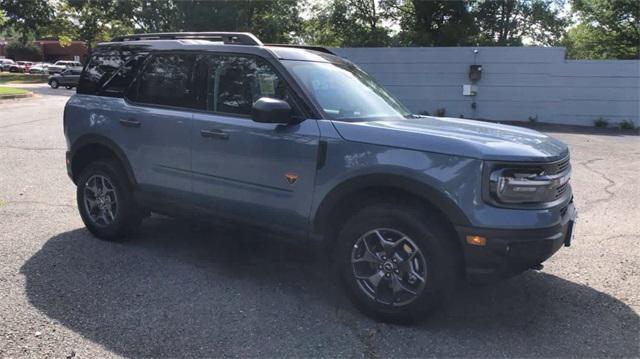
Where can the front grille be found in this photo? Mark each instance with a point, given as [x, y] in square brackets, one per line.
[558, 167]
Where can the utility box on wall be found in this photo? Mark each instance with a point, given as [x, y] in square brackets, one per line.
[469, 90]
[475, 72]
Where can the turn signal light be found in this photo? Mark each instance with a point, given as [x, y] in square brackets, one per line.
[476, 240]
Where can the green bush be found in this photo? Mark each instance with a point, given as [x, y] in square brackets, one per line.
[23, 52]
[601, 122]
[627, 125]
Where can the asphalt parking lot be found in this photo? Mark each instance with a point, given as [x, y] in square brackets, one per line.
[183, 290]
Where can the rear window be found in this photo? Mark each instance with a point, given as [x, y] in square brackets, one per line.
[110, 72]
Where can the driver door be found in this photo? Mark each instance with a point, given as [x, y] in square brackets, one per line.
[258, 172]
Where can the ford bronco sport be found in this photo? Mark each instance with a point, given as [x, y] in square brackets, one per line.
[304, 143]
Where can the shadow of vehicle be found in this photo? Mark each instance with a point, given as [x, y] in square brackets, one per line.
[177, 290]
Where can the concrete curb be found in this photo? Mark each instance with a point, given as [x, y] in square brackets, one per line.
[16, 97]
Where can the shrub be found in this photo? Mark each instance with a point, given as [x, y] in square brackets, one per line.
[441, 112]
[627, 125]
[601, 122]
[533, 119]
[20, 51]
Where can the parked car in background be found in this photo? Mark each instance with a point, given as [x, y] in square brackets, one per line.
[62, 65]
[5, 64]
[68, 78]
[39, 68]
[304, 143]
[21, 66]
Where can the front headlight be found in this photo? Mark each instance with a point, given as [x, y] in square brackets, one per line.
[529, 185]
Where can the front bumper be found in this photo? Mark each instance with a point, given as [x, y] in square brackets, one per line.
[509, 252]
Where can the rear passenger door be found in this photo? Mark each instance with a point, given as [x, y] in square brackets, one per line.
[157, 122]
[259, 172]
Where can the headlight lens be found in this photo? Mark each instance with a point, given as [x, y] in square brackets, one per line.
[525, 185]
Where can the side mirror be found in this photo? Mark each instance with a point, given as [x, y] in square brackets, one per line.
[271, 110]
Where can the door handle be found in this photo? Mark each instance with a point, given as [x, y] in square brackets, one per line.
[130, 123]
[217, 134]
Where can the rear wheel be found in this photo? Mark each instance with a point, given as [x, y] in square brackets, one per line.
[54, 84]
[396, 261]
[105, 201]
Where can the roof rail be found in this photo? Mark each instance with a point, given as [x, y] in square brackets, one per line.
[237, 38]
[306, 47]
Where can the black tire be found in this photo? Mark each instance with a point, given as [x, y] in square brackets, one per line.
[68, 87]
[127, 215]
[426, 232]
[54, 84]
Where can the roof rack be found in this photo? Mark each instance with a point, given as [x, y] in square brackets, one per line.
[236, 38]
[306, 47]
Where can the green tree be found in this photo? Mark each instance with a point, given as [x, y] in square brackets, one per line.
[608, 29]
[26, 16]
[512, 22]
[3, 18]
[354, 23]
[271, 21]
[98, 20]
[18, 50]
[432, 23]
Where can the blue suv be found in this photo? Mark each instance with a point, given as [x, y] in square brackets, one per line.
[306, 145]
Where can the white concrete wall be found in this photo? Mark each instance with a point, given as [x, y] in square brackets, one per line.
[517, 83]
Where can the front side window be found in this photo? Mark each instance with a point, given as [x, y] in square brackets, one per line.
[344, 92]
[166, 80]
[236, 82]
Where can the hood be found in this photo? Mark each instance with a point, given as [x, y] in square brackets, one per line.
[466, 138]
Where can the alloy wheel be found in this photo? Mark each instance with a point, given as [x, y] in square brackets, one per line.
[100, 200]
[389, 267]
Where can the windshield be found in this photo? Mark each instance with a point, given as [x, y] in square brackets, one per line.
[345, 92]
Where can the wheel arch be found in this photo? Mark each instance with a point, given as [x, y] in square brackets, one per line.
[348, 193]
[88, 148]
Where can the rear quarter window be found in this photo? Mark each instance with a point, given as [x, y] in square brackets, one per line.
[109, 72]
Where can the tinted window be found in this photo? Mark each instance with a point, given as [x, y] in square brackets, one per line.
[236, 82]
[166, 80]
[110, 72]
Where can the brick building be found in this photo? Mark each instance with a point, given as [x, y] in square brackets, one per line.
[52, 51]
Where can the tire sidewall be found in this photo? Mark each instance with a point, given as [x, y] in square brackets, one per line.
[124, 214]
[54, 84]
[425, 233]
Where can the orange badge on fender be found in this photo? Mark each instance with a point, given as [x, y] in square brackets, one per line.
[291, 177]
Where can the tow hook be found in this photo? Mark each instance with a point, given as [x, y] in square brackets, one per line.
[538, 266]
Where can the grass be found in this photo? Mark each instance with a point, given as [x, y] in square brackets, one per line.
[6, 91]
[9, 77]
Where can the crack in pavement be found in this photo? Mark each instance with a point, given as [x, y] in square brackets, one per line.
[33, 148]
[366, 339]
[4, 203]
[607, 188]
[23, 123]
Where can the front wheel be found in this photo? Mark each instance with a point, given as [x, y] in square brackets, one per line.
[54, 84]
[106, 202]
[397, 262]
